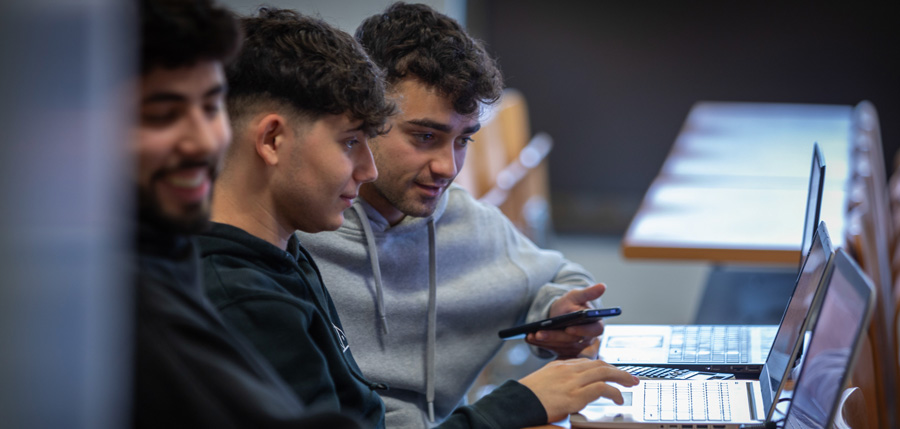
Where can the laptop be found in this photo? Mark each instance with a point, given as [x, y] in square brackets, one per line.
[736, 349]
[825, 367]
[833, 344]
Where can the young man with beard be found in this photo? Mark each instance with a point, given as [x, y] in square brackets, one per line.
[304, 100]
[423, 275]
[190, 369]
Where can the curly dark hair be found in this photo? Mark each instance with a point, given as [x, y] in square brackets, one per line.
[308, 64]
[177, 33]
[413, 39]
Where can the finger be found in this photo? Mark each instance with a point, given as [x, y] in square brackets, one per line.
[592, 351]
[556, 337]
[610, 374]
[584, 365]
[584, 347]
[563, 350]
[570, 353]
[600, 389]
[582, 296]
[594, 329]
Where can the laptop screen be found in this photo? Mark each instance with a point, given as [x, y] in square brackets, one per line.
[825, 365]
[813, 201]
[788, 339]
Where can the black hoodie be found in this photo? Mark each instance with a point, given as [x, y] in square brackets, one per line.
[276, 299]
[190, 369]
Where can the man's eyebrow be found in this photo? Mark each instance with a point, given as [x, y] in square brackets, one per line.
[162, 97]
[355, 129]
[216, 90]
[427, 123]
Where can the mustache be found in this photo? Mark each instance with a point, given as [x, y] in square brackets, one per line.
[210, 164]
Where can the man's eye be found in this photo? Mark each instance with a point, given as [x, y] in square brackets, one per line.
[464, 141]
[425, 137]
[159, 118]
[212, 109]
[350, 143]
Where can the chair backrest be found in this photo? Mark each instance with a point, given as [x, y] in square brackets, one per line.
[851, 413]
[870, 237]
[504, 132]
[864, 379]
[485, 156]
[505, 166]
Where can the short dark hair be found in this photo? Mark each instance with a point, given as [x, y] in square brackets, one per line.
[311, 66]
[413, 39]
[177, 33]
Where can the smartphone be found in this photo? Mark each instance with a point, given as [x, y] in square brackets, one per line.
[560, 322]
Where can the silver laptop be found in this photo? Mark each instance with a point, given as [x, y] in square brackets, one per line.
[829, 357]
[833, 344]
[736, 349]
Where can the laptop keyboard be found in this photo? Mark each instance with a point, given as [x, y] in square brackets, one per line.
[715, 344]
[653, 372]
[686, 401]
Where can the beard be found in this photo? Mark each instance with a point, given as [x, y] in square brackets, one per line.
[192, 218]
[403, 201]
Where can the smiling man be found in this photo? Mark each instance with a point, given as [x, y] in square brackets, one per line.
[423, 275]
[175, 181]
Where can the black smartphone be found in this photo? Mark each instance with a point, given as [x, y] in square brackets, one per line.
[559, 322]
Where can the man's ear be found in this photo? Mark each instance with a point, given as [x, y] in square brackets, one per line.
[271, 133]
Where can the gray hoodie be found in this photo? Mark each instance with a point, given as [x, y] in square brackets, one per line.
[422, 301]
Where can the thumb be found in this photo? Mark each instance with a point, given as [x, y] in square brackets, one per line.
[582, 296]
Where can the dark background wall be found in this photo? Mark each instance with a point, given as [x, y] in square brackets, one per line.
[613, 81]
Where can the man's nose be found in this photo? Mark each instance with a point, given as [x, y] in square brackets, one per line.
[365, 170]
[444, 162]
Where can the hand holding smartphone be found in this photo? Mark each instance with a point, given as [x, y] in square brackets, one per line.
[560, 322]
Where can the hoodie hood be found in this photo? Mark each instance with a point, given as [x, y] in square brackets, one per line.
[379, 224]
[225, 239]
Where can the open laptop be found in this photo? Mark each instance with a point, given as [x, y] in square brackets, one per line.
[833, 344]
[826, 364]
[711, 349]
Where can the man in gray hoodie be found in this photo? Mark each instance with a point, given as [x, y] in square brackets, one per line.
[423, 276]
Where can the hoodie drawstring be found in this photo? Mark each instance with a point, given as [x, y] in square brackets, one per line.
[432, 299]
[432, 321]
[376, 269]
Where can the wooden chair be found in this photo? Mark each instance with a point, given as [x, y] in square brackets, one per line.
[864, 379]
[851, 412]
[485, 156]
[870, 237]
[505, 166]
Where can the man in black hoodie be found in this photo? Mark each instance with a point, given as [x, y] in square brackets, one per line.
[304, 99]
[190, 369]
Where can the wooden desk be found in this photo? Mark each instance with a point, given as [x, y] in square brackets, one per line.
[733, 187]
